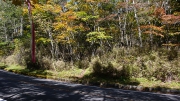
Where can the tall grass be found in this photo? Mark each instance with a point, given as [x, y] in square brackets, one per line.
[161, 64]
[154, 65]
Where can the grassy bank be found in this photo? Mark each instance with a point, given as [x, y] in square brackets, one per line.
[86, 76]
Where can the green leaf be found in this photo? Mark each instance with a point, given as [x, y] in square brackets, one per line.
[95, 36]
[43, 40]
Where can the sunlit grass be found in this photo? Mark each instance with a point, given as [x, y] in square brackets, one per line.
[149, 83]
[70, 73]
[1, 64]
[14, 67]
[87, 75]
[30, 72]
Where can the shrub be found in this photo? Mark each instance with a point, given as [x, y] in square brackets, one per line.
[98, 68]
[172, 54]
[110, 71]
[126, 72]
[10, 60]
[59, 65]
[155, 66]
[83, 64]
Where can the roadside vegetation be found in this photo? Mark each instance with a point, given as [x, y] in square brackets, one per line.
[151, 69]
[101, 42]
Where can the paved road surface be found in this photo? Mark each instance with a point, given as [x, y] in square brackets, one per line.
[15, 87]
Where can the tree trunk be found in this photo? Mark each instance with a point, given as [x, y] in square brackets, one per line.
[21, 27]
[52, 43]
[139, 29]
[5, 33]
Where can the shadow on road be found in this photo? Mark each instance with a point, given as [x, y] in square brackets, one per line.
[15, 87]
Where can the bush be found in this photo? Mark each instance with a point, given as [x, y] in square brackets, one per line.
[82, 64]
[97, 68]
[173, 54]
[110, 71]
[59, 65]
[10, 60]
[49, 64]
[126, 72]
[156, 66]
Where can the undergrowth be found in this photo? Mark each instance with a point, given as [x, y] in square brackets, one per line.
[129, 66]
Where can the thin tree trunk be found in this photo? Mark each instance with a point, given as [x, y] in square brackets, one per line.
[120, 27]
[151, 36]
[56, 50]
[5, 33]
[21, 27]
[52, 43]
[14, 28]
[125, 23]
[139, 29]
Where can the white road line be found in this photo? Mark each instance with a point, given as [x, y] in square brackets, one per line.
[2, 99]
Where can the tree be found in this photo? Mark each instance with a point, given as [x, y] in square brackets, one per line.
[11, 21]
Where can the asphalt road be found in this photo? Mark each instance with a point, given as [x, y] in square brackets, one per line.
[14, 87]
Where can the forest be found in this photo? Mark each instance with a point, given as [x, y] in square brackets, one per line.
[115, 39]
